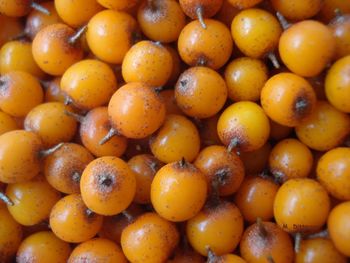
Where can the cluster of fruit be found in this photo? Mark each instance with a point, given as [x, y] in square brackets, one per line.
[175, 131]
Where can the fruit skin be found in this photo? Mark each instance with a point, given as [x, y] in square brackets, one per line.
[333, 172]
[301, 205]
[108, 29]
[89, 83]
[339, 228]
[200, 92]
[10, 235]
[197, 45]
[255, 32]
[220, 227]
[325, 128]
[52, 50]
[40, 246]
[288, 99]
[136, 110]
[337, 84]
[97, 250]
[178, 191]
[317, 250]
[19, 156]
[311, 41]
[255, 247]
[246, 123]
[149, 239]
[107, 185]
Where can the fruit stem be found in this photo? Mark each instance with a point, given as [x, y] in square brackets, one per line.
[158, 89]
[321, 234]
[234, 144]
[6, 199]
[45, 153]
[67, 101]
[283, 21]
[338, 13]
[183, 162]
[270, 259]
[76, 116]
[152, 4]
[272, 57]
[212, 258]
[20, 36]
[278, 177]
[262, 229]
[297, 240]
[128, 216]
[202, 61]
[199, 12]
[73, 39]
[40, 8]
[112, 132]
[89, 213]
[76, 176]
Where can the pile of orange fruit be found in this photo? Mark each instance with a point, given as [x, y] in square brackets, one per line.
[175, 131]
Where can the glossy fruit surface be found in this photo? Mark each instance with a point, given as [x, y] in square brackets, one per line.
[178, 191]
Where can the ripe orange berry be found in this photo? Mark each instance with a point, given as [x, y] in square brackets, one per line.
[161, 20]
[197, 45]
[337, 84]
[177, 138]
[53, 49]
[290, 158]
[218, 227]
[149, 238]
[17, 55]
[255, 198]
[107, 185]
[200, 92]
[338, 227]
[32, 200]
[244, 126]
[19, 158]
[148, 62]
[310, 40]
[256, 32]
[97, 250]
[136, 110]
[42, 246]
[19, 93]
[325, 128]
[10, 235]
[245, 77]
[288, 99]
[78, 223]
[108, 29]
[68, 10]
[333, 172]
[89, 83]
[178, 191]
[301, 205]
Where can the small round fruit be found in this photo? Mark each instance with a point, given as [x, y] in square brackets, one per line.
[149, 238]
[107, 185]
[338, 227]
[337, 84]
[333, 172]
[42, 246]
[72, 221]
[244, 126]
[97, 250]
[288, 99]
[178, 191]
[301, 205]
